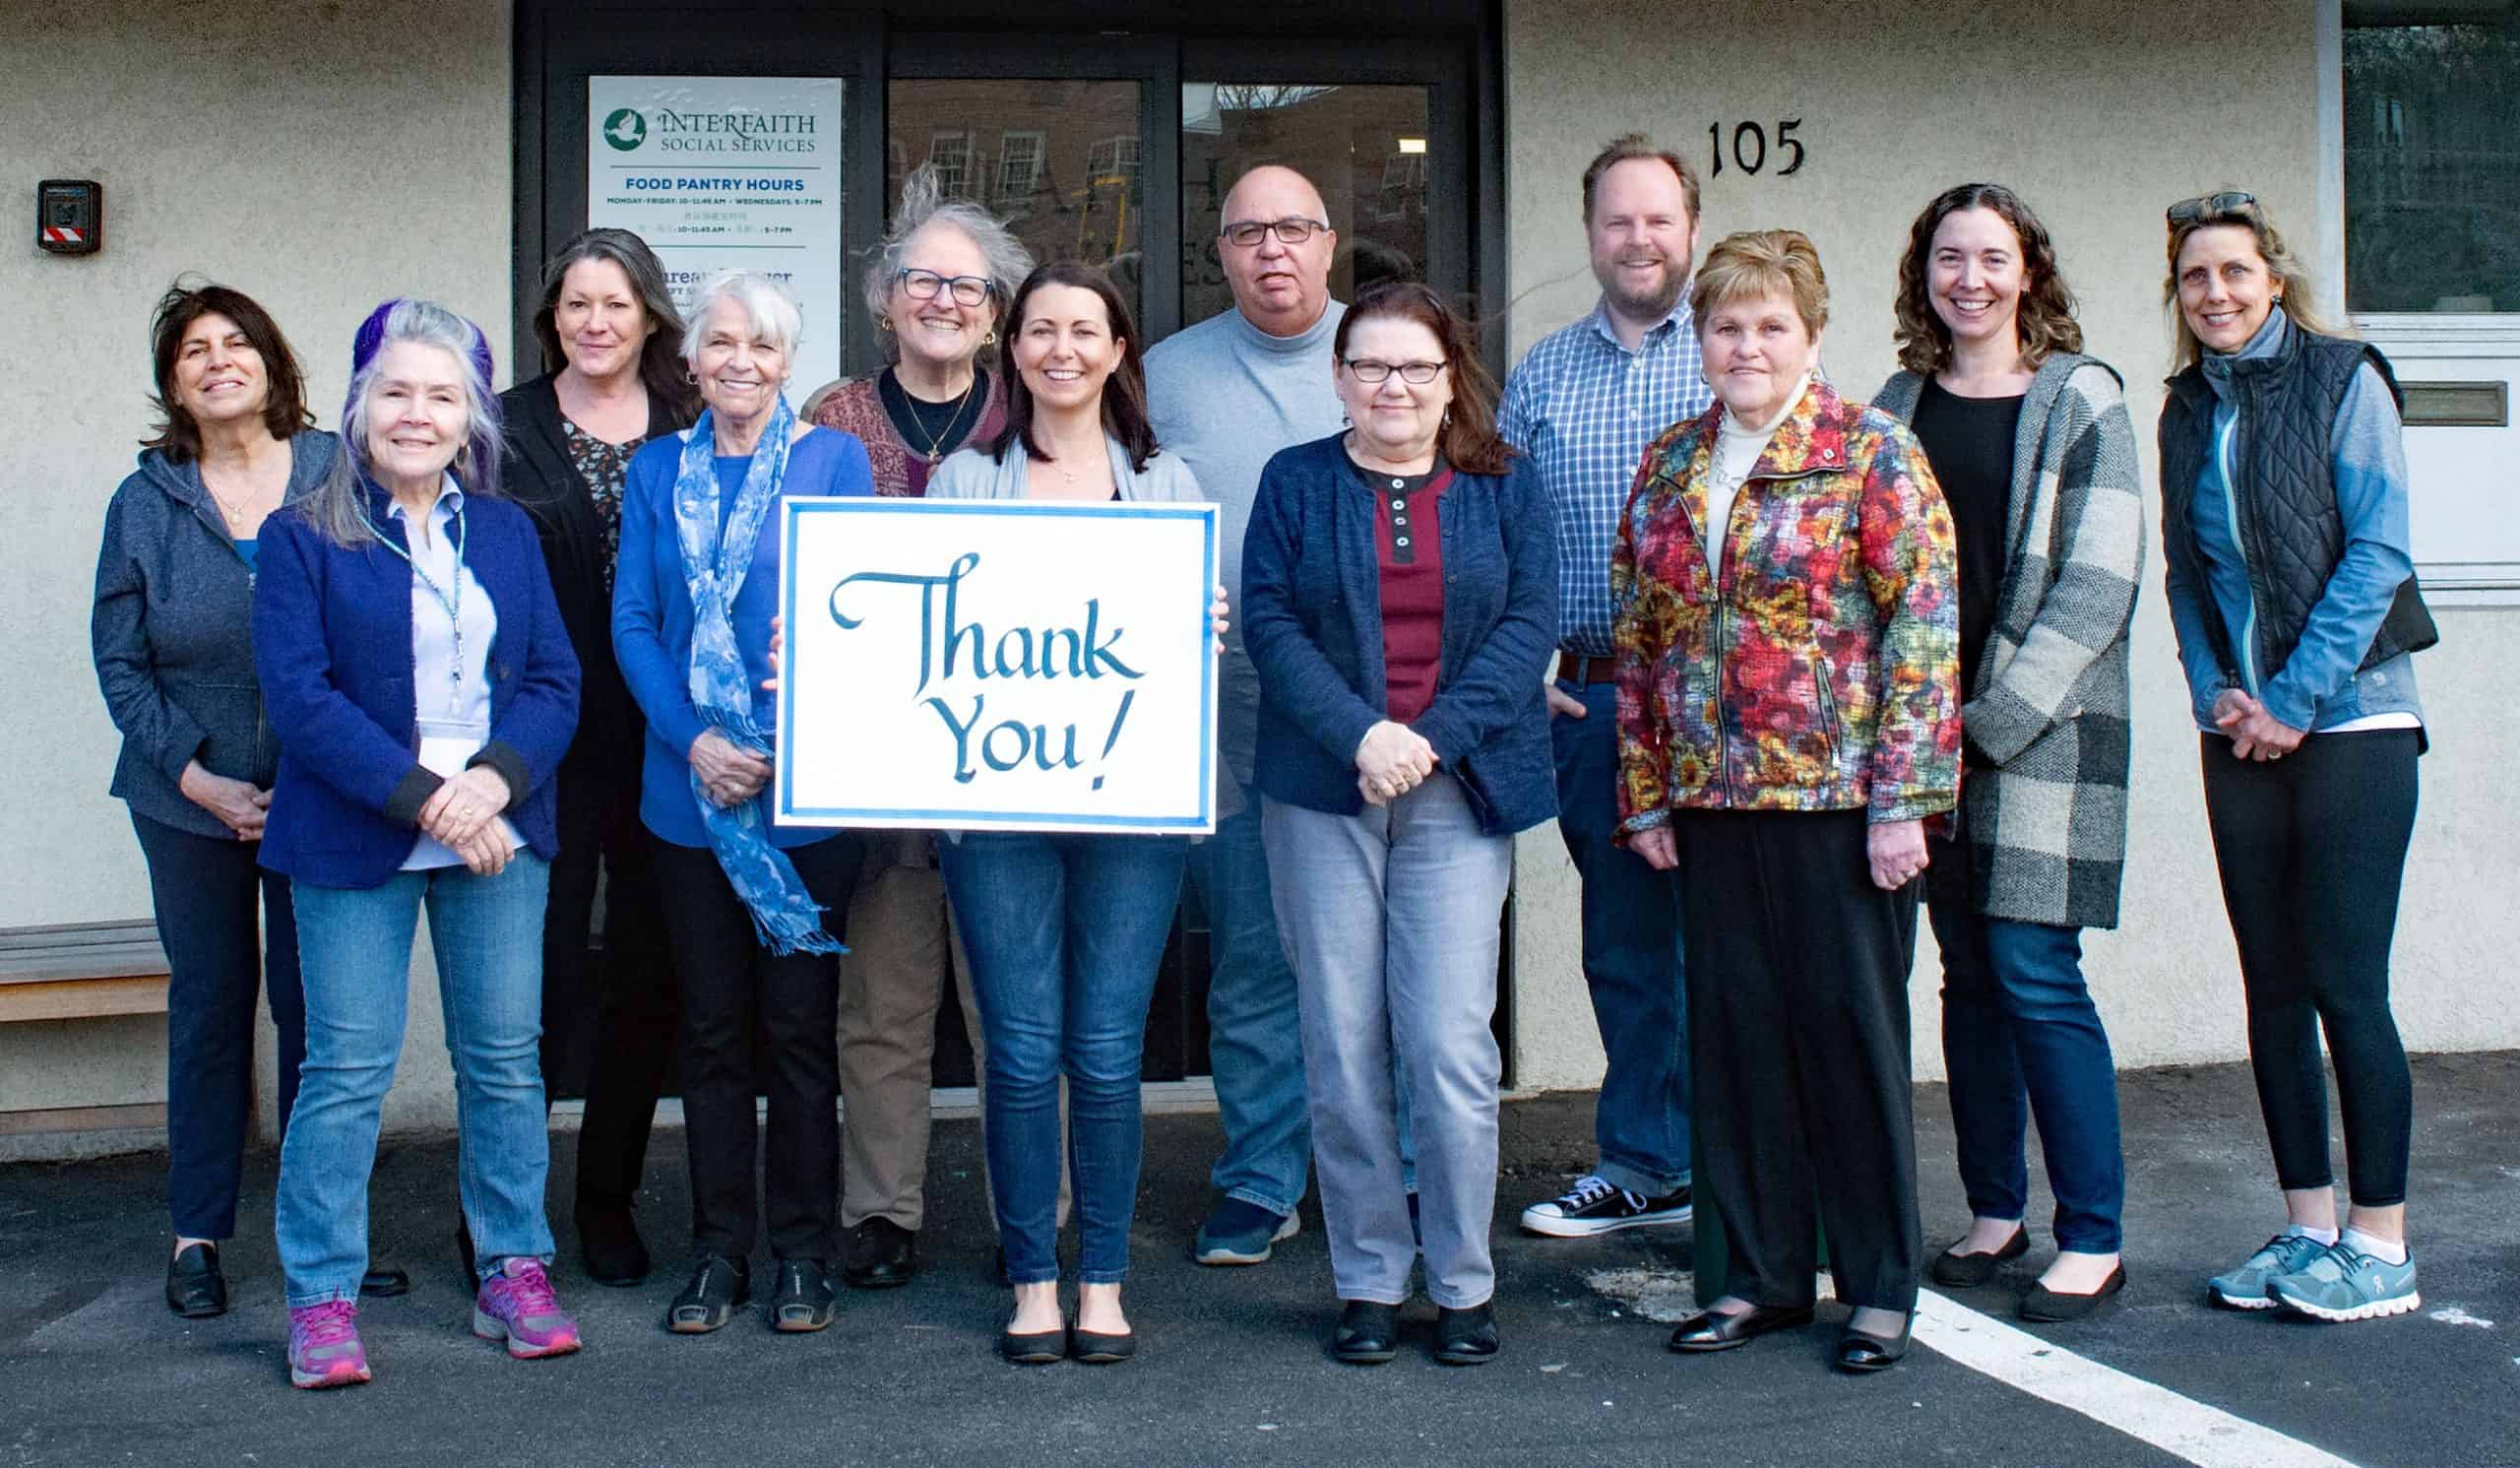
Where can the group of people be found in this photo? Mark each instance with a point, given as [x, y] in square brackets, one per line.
[1781, 665]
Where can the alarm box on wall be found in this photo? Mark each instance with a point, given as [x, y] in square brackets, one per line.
[70, 216]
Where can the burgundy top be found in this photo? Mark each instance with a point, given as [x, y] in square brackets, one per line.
[855, 405]
[1409, 549]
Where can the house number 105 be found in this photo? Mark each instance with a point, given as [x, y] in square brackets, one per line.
[1750, 146]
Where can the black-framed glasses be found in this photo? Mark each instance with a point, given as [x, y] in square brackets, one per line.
[2205, 207]
[923, 284]
[1367, 370]
[1294, 230]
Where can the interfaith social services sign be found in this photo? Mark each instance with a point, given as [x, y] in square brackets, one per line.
[716, 172]
[997, 665]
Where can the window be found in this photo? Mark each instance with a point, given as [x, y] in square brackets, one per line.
[1403, 184]
[2431, 163]
[1018, 171]
[1114, 162]
[951, 153]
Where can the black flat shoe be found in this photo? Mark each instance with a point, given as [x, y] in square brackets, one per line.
[609, 1243]
[1968, 1271]
[882, 1254]
[1467, 1337]
[1369, 1333]
[2048, 1306]
[1713, 1330]
[1093, 1348]
[718, 1285]
[1039, 1348]
[385, 1281]
[804, 1300]
[1862, 1350]
[195, 1288]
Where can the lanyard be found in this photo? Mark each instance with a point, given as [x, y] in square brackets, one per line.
[452, 604]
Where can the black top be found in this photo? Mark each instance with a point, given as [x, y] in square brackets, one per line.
[932, 429]
[1969, 441]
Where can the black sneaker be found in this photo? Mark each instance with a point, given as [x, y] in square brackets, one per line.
[1593, 1207]
[881, 1255]
[718, 1286]
[804, 1300]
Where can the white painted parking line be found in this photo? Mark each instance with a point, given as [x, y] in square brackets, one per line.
[2207, 1437]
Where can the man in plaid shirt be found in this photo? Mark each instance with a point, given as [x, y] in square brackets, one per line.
[1584, 404]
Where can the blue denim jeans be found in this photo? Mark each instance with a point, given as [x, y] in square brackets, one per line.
[1065, 933]
[1632, 964]
[2019, 1038]
[356, 950]
[1255, 1040]
[205, 893]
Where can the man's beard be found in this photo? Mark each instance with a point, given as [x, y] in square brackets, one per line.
[1650, 307]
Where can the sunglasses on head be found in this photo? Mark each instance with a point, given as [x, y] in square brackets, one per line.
[2210, 205]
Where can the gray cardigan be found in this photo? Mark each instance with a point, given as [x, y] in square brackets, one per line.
[171, 632]
[2047, 827]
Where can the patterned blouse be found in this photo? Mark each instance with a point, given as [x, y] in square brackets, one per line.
[602, 466]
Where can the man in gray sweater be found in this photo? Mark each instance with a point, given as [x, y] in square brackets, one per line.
[1224, 395]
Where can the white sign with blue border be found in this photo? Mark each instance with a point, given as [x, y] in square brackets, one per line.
[999, 666]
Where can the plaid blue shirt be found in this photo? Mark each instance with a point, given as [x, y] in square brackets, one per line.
[1584, 408]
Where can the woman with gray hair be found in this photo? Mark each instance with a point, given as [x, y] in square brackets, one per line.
[938, 289]
[419, 682]
[743, 901]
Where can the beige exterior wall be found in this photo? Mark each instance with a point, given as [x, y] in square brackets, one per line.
[317, 156]
[2100, 113]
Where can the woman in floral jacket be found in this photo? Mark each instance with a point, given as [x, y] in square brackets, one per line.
[1789, 712]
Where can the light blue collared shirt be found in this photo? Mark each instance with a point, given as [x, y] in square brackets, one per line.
[451, 697]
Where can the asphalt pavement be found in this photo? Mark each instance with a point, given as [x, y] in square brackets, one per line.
[1232, 1367]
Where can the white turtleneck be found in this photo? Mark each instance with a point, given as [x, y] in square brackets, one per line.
[1737, 453]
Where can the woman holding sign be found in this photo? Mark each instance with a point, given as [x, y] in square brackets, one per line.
[1401, 589]
[743, 901]
[1066, 930]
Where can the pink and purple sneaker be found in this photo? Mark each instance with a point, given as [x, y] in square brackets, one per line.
[516, 1305]
[324, 1348]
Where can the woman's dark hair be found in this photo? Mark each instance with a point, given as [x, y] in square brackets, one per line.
[1469, 438]
[175, 434]
[2046, 322]
[1123, 392]
[661, 369]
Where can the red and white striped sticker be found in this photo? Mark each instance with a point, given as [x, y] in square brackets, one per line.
[63, 234]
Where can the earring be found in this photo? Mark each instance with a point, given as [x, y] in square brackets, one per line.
[690, 377]
[988, 339]
[883, 326]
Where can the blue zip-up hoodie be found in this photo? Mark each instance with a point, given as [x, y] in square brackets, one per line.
[2318, 687]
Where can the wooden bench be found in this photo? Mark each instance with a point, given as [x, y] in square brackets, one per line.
[81, 971]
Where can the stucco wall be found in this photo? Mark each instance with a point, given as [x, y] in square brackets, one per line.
[2100, 113]
[316, 155]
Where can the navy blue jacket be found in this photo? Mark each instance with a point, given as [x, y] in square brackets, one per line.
[1313, 620]
[332, 646]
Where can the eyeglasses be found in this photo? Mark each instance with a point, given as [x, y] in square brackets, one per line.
[2205, 207]
[923, 284]
[1294, 230]
[1367, 370]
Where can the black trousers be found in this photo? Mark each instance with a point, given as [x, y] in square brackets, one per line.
[2312, 849]
[733, 991]
[623, 1022]
[1797, 991]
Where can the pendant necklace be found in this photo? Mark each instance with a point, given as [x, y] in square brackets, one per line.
[936, 442]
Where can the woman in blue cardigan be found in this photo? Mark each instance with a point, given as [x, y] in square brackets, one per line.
[1399, 583]
[420, 682]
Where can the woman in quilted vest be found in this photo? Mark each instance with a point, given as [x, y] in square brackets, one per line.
[2283, 526]
[2031, 444]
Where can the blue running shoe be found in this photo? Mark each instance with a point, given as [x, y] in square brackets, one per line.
[2343, 1283]
[2244, 1288]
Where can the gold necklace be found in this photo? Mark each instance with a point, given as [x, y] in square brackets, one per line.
[237, 513]
[936, 442]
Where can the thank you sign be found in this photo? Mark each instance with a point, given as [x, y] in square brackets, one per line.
[997, 665]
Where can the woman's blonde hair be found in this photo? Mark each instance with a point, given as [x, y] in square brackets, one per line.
[1762, 262]
[2291, 277]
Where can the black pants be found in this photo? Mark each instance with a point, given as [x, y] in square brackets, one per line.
[627, 1019]
[204, 891]
[732, 991]
[1797, 993]
[2312, 847]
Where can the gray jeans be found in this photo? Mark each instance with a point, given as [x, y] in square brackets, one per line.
[1389, 918]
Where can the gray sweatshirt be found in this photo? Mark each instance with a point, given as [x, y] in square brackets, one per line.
[1226, 396]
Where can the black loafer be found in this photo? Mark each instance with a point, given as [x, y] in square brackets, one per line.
[385, 1281]
[1467, 1337]
[1862, 1350]
[2048, 1307]
[804, 1300]
[718, 1285]
[609, 1243]
[1093, 1348]
[1038, 1348]
[1713, 1330]
[1968, 1271]
[195, 1288]
[1369, 1333]
[881, 1255]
